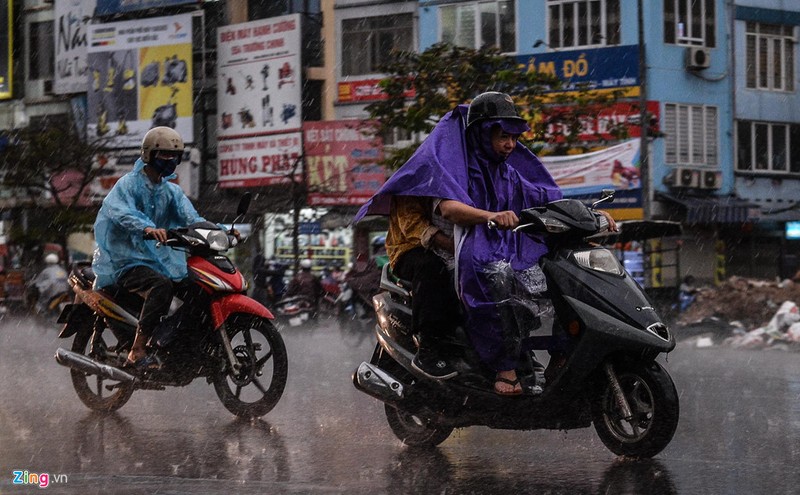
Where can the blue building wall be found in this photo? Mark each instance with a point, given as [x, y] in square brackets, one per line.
[667, 79]
[775, 195]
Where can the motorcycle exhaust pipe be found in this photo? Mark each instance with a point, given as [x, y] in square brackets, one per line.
[378, 383]
[87, 365]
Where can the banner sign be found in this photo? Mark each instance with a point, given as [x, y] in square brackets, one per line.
[363, 91]
[588, 174]
[598, 68]
[259, 100]
[6, 48]
[259, 161]
[108, 7]
[341, 163]
[601, 123]
[140, 77]
[72, 20]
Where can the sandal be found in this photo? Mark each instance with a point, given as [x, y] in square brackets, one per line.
[515, 383]
[147, 363]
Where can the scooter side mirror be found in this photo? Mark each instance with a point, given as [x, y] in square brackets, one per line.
[244, 204]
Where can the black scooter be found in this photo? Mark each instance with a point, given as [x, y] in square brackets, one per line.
[602, 368]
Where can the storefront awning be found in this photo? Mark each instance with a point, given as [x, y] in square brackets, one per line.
[714, 209]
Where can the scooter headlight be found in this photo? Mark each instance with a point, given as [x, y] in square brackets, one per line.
[554, 226]
[601, 260]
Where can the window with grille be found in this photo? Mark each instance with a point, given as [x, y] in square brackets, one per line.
[690, 135]
[769, 58]
[767, 147]
[581, 23]
[369, 42]
[479, 24]
[689, 22]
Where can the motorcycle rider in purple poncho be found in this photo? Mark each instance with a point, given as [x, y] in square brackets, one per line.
[474, 164]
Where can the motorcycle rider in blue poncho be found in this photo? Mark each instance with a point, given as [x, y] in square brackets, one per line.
[138, 211]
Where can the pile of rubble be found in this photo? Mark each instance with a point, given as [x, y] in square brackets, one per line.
[746, 313]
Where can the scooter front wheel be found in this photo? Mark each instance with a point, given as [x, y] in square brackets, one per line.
[415, 431]
[255, 387]
[653, 402]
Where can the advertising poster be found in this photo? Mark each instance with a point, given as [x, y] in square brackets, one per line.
[586, 175]
[6, 48]
[258, 95]
[72, 20]
[139, 77]
[341, 163]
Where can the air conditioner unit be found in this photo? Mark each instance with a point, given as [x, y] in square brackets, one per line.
[683, 177]
[710, 179]
[698, 58]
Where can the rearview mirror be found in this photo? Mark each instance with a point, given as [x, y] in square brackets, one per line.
[244, 204]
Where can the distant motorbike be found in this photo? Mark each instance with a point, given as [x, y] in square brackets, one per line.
[49, 292]
[295, 310]
[605, 339]
[213, 331]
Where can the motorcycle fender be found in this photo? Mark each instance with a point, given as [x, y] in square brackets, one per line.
[227, 305]
[71, 316]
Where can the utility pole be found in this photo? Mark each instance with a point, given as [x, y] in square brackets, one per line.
[644, 159]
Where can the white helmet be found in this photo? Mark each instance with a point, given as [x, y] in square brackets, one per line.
[306, 264]
[51, 259]
[160, 139]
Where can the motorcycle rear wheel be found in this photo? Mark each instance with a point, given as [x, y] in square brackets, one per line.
[653, 400]
[415, 431]
[256, 388]
[91, 389]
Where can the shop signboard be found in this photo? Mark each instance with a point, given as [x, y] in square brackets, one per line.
[259, 101]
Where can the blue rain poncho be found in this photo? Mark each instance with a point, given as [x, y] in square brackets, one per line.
[134, 204]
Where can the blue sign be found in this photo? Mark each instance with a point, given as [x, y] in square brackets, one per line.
[793, 230]
[308, 228]
[108, 7]
[599, 68]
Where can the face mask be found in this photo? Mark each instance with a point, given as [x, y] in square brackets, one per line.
[165, 166]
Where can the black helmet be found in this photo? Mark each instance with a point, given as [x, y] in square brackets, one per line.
[493, 105]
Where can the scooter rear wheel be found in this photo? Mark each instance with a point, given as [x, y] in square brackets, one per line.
[93, 390]
[254, 389]
[653, 401]
[415, 431]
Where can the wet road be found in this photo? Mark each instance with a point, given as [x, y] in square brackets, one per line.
[739, 433]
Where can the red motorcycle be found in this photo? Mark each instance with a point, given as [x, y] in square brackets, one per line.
[212, 331]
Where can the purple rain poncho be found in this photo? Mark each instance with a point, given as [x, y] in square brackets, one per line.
[456, 164]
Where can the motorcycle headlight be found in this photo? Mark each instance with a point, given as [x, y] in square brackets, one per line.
[217, 239]
[601, 260]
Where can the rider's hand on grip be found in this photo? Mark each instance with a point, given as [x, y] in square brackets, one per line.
[159, 235]
[503, 220]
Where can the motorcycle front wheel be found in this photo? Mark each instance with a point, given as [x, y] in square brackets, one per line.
[96, 392]
[255, 388]
[653, 400]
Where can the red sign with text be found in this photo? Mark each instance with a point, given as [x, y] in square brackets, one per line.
[341, 163]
